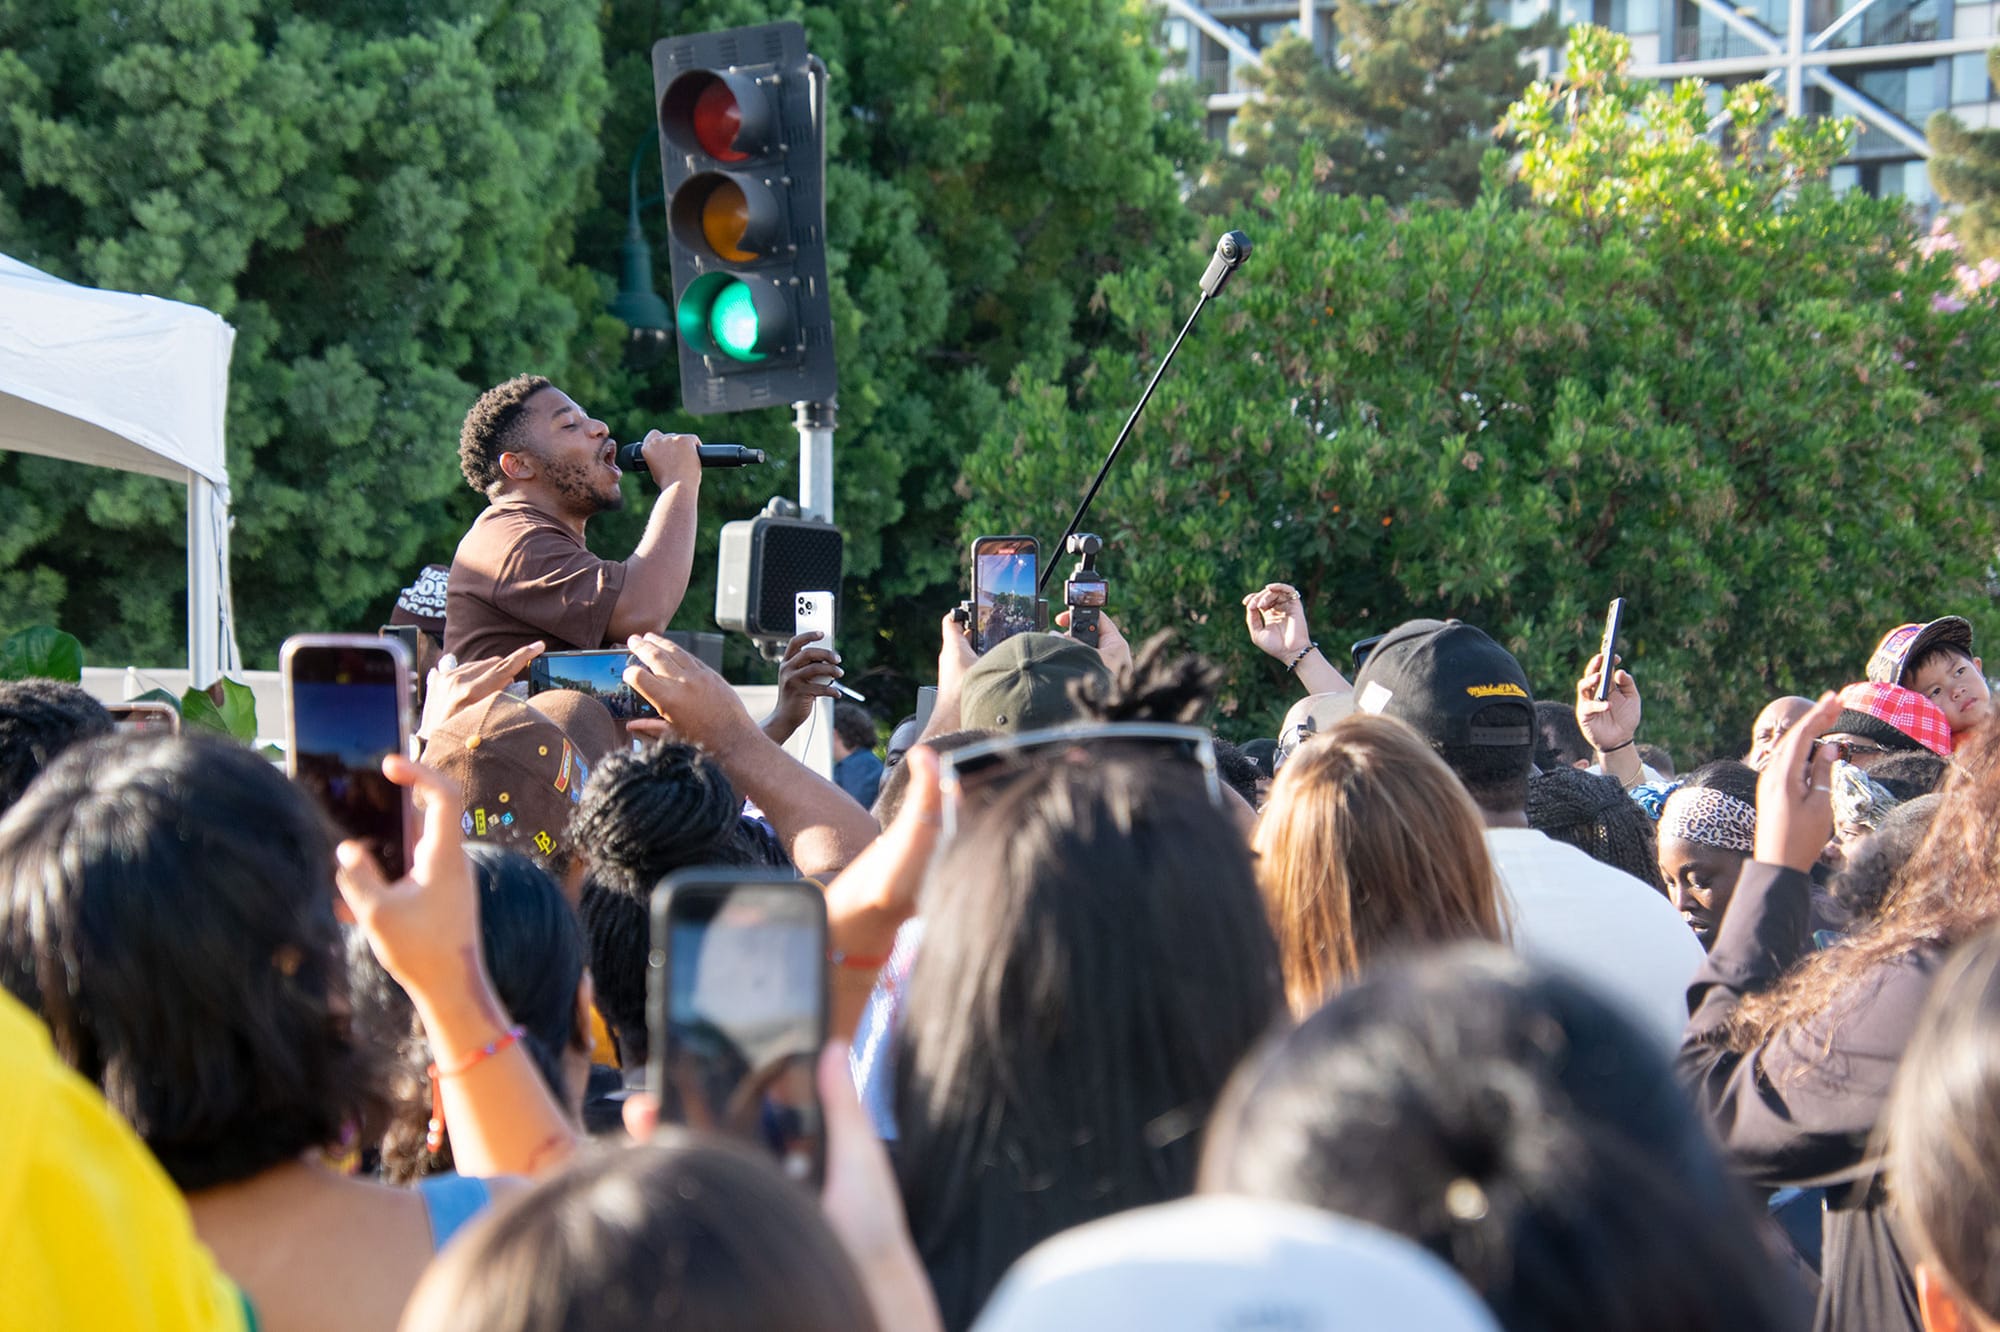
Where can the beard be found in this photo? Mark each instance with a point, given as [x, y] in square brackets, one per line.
[579, 486]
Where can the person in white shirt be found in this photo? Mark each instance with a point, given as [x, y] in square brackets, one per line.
[1469, 698]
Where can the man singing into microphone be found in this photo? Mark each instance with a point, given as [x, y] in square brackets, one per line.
[522, 573]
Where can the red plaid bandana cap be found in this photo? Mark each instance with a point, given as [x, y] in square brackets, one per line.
[1905, 709]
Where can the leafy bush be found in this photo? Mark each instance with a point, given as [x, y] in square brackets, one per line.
[1769, 437]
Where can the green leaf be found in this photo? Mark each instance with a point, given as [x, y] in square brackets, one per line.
[199, 713]
[158, 696]
[41, 652]
[239, 710]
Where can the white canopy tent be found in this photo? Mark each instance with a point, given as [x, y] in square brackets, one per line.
[134, 383]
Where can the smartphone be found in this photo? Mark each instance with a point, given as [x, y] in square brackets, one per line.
[145, 718]
[1004, 601]
[347, 706]
[1614, 620]
[736, 1005]
[600, 674]
[812, 613]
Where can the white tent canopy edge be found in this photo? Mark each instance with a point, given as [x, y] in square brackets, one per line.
[135, 383]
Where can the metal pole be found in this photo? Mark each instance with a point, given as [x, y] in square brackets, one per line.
[815, 424]
[1795, 70]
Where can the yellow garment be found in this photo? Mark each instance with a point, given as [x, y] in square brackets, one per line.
[603, 1050]
[92, 1232]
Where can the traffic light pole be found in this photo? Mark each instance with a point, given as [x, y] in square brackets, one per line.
[815, 425]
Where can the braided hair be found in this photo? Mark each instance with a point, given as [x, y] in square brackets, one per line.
[642, 817]
[1593, 814]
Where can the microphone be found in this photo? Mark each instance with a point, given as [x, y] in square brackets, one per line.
[632, 458]
[1230, 252]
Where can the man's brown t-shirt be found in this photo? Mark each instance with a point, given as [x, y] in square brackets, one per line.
[518, 576]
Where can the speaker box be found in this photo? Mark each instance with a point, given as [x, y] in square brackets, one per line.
[706, 647]
[765, 562]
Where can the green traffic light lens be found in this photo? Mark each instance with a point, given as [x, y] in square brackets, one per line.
[719, 316]
[732, 319]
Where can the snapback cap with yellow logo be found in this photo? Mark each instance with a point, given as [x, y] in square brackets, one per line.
[1434, 676]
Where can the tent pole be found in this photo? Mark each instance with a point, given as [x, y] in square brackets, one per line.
[204, 593]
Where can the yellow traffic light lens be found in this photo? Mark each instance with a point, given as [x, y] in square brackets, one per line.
[725, 218]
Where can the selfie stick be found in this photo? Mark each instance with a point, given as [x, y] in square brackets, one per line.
[1230, 252]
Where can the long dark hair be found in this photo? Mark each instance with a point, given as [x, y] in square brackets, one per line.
[166, 907]
[1943, 1126]
[1095, 961]
[1948, 892]
[1522, 1129]
[533, 948]
[680, 1232]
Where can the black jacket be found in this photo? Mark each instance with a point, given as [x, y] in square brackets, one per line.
[1800, 1108]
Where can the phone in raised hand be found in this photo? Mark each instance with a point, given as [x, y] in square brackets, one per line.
[1614, 620]
[1004, 600]
[736, 1008]
[347, 707]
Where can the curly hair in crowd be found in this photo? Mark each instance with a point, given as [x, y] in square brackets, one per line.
[1594, 814]
[490, 427]
[642, 817]
[39, 719]
[1863, 883]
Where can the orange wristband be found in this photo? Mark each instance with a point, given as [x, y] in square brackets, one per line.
[434, 1131]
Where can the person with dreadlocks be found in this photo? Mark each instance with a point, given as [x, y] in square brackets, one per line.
[1593, 813]
[1707, 830]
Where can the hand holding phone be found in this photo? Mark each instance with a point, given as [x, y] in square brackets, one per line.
[1004, 600]
[600, 674]
[1607, 651]
[347, 707]
[737, 1010]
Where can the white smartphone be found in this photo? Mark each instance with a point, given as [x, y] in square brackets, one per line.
[813, 613]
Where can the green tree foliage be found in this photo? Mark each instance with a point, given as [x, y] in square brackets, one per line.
[1773, 441]
[1405, 112]
[1606, 150]
[380, 198]
[990, 160]
[1965, 170]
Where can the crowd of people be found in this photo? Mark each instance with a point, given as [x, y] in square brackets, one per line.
[1443, 1008]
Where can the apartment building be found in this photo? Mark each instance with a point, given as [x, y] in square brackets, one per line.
[1887, 63]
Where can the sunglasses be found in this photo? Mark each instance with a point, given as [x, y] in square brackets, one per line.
[984, 767]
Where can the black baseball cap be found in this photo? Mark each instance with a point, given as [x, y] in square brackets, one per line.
[1433, 675]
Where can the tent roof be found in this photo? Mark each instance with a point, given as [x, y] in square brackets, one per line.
[129, 382]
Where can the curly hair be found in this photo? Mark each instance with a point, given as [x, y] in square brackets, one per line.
[1593, 814]
[490, 427]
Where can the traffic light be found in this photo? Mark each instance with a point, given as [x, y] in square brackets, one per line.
[741, 152]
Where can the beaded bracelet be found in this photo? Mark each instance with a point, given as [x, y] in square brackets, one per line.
[434, 1131]
[1304, 652]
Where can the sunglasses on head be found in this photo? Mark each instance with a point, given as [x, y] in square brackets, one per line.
[983, 767]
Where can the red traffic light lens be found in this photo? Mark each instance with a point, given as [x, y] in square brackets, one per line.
[718, 119]
[722, 116]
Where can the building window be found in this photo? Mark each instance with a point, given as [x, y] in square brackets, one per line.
[1969, 82]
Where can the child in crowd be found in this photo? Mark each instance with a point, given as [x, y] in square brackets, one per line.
[1936, 660]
